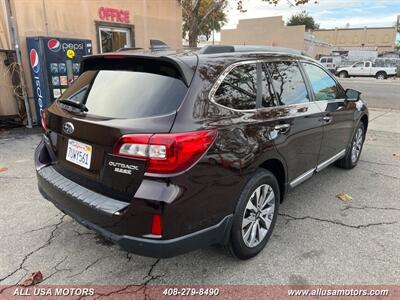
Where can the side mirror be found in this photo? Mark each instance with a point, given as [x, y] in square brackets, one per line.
[352, 95]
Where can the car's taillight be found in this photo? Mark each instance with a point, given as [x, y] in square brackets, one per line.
[167, 153]
[43, 121]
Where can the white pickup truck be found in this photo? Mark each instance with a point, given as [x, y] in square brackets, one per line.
[366, 69]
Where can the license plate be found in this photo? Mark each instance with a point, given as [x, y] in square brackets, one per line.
[79, 153]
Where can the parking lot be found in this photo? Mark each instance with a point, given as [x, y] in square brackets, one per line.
[318, 238]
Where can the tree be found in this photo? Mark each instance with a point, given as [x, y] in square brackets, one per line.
[215, 21]
[397, 47]
[203, 16]
[198, 17]
[303, 18]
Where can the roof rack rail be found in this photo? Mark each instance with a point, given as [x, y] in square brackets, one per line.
[214, 49]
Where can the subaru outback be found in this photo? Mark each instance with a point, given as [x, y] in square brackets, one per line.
[164, 152]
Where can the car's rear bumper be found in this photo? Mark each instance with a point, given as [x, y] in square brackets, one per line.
[110, 217]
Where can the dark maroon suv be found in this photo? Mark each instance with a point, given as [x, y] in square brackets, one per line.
[164, 152]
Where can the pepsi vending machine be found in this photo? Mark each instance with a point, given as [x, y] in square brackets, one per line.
[55, 64]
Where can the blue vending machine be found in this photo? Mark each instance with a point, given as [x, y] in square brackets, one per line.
[55, 64]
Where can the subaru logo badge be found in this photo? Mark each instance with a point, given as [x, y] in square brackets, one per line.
[68, 128]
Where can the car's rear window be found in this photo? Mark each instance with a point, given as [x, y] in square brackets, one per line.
[126, 93]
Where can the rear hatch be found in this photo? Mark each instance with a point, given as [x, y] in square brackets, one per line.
[114, 96]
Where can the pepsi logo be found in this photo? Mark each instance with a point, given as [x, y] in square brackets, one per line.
[34, 58]
[54, 45]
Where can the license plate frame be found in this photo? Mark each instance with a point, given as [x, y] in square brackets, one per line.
[79, 153]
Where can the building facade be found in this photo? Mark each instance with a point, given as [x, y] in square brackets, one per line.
[379, 38]
[272, 31]
[269, 31]
[109, 24]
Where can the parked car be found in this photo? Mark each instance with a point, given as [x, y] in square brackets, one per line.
[330, 62]
[166, 152]
[366, 69]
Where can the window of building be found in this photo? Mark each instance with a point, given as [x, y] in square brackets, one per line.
[114, 36]
[288, 83]
[324, 87]
[239, 88]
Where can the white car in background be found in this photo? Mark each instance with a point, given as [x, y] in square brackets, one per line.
[330, 62]
[366, 69]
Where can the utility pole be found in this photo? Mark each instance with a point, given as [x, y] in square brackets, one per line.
[14, 39]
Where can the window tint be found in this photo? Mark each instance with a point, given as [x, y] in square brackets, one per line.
[323, 60]
[324, 87]
[126, 94]
[358, 65]
[367, 64]
[288, 83]
[268, 97]
[329, 60]
[239, 88]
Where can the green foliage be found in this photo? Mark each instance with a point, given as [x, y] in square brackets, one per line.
[201, 17]
[303, 18]
[397, 47]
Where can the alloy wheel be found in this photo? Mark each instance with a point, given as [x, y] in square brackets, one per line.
[258, 215]
[381, 77]
[357, 144]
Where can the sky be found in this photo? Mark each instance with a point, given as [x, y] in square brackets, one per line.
[328, 13]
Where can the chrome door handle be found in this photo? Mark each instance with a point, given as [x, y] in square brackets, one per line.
[282, 127]
[327, 119]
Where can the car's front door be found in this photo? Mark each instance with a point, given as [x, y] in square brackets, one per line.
[338, 114]
[357, 69]
[292, 118]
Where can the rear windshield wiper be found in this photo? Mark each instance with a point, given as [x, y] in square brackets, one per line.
[69, 102]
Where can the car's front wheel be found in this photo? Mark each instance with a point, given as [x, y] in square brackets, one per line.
[255, 215]
[353, 152]
[343, 74]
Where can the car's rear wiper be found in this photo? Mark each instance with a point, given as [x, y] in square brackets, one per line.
[69, 102]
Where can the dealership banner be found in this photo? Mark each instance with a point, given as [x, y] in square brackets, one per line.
[147, 291]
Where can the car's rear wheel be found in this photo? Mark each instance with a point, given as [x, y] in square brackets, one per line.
[353, 152]
[255, 215]
[343, 74]
[381, 75]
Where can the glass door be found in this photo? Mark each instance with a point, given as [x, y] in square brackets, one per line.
[114, 38]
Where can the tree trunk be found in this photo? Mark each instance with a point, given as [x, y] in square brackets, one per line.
[193, 38]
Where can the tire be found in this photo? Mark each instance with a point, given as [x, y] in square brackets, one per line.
[353, 153]
[343, 74]
[251, 229]
[381, 75]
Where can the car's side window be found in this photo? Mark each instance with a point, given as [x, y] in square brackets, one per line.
[359, 65]
[367, 64]
[238, 90]
[323, 60]
[268, 98]
[288, 82]
[324, 87]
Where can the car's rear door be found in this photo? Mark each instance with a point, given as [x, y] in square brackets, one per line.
[338, 114]
[117, 96]
[292, 117]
